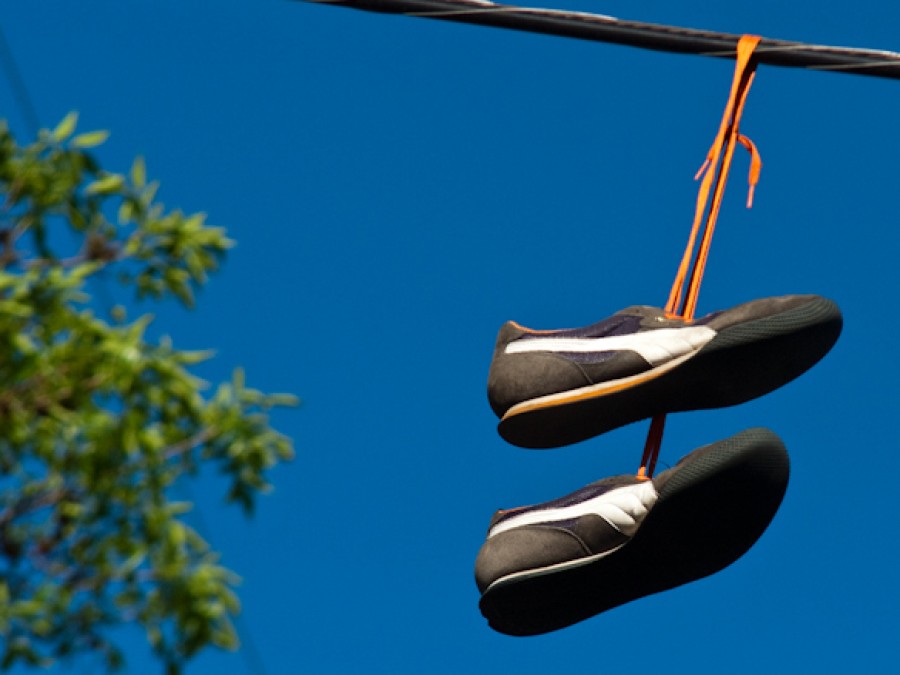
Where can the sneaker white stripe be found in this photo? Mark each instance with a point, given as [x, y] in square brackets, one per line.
[624, 508]
[656, 346]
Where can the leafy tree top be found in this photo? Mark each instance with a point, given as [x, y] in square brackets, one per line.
[98, 423]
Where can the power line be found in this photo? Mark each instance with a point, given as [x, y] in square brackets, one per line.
[26, 105]
[658, 37]
[19, 88]
[251, 655]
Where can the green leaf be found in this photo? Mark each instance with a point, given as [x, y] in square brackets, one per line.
[139, 173]
[90, 139]
[106, 185]
[126, 212]
[84, 270]
[101, 420]
[132, 563]
[24, 343]
[65, 128]
[194, 357]
[17, 309]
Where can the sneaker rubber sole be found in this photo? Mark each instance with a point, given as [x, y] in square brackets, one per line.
[740, 363]
[712, 507]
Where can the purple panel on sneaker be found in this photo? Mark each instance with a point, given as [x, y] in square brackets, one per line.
[588, 357]
[567, 524]
[702, 321]
[585, 493]
[618, 324]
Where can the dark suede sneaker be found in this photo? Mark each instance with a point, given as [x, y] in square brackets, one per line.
[552, 388]
[548, 566]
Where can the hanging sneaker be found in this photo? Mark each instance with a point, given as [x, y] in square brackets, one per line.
[549, 566]
[552, 388]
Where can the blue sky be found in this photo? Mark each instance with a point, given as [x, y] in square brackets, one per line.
[398, 189]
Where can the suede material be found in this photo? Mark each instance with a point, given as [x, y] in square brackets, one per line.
[713, 506]
[617, 481]
[534, 546]
[514, 378]
[653, 318]
[525, 548]
[508, 332]
[623, 364]
[610, 482]
[597, 534]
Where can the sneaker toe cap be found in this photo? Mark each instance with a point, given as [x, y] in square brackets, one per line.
[524, 549]
[522, 377]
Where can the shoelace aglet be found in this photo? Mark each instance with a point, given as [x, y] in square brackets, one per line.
[703, 168]
[755, 166]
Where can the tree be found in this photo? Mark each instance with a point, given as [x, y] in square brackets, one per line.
[98, 423]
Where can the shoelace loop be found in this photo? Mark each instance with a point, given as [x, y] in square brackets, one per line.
[713, 176]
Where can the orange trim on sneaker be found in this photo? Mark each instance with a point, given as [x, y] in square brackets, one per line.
[594, 391]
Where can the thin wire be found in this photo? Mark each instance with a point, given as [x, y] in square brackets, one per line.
[29, 114]
[252, 657]
[19, 88]
[28, 109]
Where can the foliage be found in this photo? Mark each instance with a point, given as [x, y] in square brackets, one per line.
[97, 423]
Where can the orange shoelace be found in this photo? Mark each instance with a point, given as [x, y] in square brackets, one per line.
[713, 176]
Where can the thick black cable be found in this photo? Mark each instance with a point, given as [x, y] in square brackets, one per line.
[658, 37]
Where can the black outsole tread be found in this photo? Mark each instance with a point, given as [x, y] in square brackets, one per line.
[711, 510]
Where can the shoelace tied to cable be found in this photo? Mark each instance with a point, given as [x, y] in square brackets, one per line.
[713, 176]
